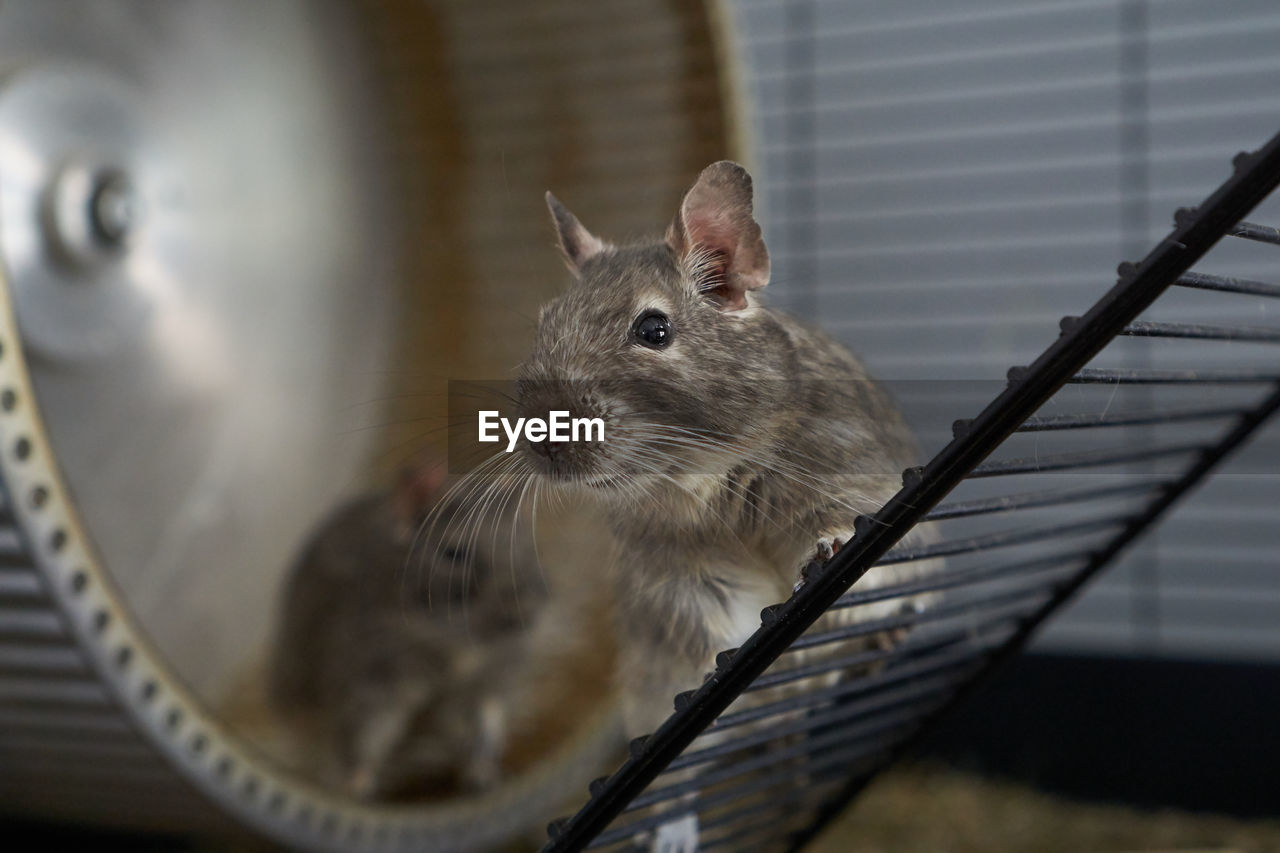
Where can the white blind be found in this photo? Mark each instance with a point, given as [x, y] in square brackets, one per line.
[943, 180]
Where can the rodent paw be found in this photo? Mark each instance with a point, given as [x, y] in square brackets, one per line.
[827, 547]
[807, 571]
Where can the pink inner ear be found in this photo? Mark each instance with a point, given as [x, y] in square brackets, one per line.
[714, 237]
[714, 281]
[729, 298]
[418, 489]
[717, 238]
[715, 233]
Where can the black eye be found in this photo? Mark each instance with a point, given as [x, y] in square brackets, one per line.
[455, 555]
[652, 329]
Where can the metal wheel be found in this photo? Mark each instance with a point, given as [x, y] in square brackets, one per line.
[222, 224]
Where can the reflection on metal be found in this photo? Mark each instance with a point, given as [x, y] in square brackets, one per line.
[70, 140]
[223, 226]
[181, 250]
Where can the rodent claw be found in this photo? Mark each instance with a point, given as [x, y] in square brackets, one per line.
[825, 550]
[828, 548]
[807, 571]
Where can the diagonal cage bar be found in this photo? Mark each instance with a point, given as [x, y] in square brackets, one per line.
[1196, 231]
[1234, 439]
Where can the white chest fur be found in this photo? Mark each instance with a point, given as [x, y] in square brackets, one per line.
[731, 619]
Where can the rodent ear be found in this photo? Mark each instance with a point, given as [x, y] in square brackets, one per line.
[417, 489]
[577, 243]
[717, 240]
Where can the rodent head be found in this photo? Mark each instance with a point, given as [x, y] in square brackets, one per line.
[398, 613]
[663, 341]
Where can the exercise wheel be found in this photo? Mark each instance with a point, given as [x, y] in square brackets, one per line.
[230, 231]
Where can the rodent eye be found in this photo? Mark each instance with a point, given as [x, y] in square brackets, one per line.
[455, 555]
[653, 329]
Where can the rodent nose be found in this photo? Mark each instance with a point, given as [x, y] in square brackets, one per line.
[549, 449]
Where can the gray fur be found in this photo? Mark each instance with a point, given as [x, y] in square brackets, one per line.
[393, 643]
[765, 437]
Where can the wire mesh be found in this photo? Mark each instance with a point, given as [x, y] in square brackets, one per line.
[1073, 460]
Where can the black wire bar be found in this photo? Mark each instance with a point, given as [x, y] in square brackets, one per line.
[789, 824]
[1000, 539]
[767, 781]
[877, 714]
[1082, 459]
[866, 729]
[916, 667]
[1259, 233]
[767, 813]
[1147, 376]
[1066, 562]
[1046, 423]
[790, 726]
[864, 711]
[762, 809]
[1224, 284]
[1200, 331]
[1008, 604]
[763, 813]
[1040, 499]
[912, 676]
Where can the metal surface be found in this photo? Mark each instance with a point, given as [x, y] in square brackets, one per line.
[187, 193]
[222, 223]
[69, 142]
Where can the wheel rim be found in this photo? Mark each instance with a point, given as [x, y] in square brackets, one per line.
[154, 391]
